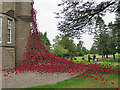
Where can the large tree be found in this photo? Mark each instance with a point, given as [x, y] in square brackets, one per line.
[112, 39]
[79, 17]
[59, 51]
[66, 43]
[115, 34]
[117, 31]
[80, 49]
[101, 37]
[102, 44]
[79, 46]
[85, 51]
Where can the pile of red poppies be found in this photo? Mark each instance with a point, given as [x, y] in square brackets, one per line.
[37, 58]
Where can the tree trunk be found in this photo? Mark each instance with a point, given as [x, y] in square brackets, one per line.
[102, 56]
[106, 56]
[114, 56]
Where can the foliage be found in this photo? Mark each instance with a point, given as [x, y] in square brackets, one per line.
[79, 47]
[113, 42]
[93, 49]
[85, 51]
[102, 44]
[59, 51]
[79, 17]
[101, 38]
[45, 41]
[67, 44]
[116, 29]
[107, 38]
[56, 40]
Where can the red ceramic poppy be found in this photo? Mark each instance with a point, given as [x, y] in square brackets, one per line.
[104, 82]
[95, 78]
[112, 82]
[106, 79]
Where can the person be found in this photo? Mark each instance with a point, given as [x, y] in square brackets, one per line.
[94, 57]
[97, 59]
[89, 57]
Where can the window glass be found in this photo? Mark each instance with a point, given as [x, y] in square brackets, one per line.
[9, 31]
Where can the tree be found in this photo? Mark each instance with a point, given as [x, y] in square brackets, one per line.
[115, 34]
[69, 45]
[59, 51]
[93, 49]
[101, 38]
[79, 48]
[56, 40]
[45, 41]
[66, 43]
[102, 44]
[112, 46]
[112, 40]
[85, 51]
[79, 17]
[117, 30]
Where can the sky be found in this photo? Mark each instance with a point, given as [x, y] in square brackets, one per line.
[48, 23]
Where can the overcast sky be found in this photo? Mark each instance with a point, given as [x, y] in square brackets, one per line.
[47, 22]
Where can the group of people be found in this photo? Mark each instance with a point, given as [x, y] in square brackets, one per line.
[94, 58]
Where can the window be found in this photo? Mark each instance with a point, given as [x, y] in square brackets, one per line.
[8, 31]
[0, 29]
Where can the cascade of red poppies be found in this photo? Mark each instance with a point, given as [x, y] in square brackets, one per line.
[37, 58]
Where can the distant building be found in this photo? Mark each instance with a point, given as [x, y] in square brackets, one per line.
[15, 18]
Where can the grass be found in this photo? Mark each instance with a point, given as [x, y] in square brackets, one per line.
[80, 82]
[106, 60]
[79, 59]
[110, 60]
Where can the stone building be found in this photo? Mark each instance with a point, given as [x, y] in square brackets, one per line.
[15, 18]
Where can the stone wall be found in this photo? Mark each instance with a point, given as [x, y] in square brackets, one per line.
[20, 16]
[8, 60]
[23, 18]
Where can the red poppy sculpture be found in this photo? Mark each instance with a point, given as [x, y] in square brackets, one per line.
[37, 58]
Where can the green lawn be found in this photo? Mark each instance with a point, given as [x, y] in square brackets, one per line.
[106, 60]
[79, 59]
[110, 60]
[80, 82]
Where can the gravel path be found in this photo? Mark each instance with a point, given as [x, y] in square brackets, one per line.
[30, 79]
